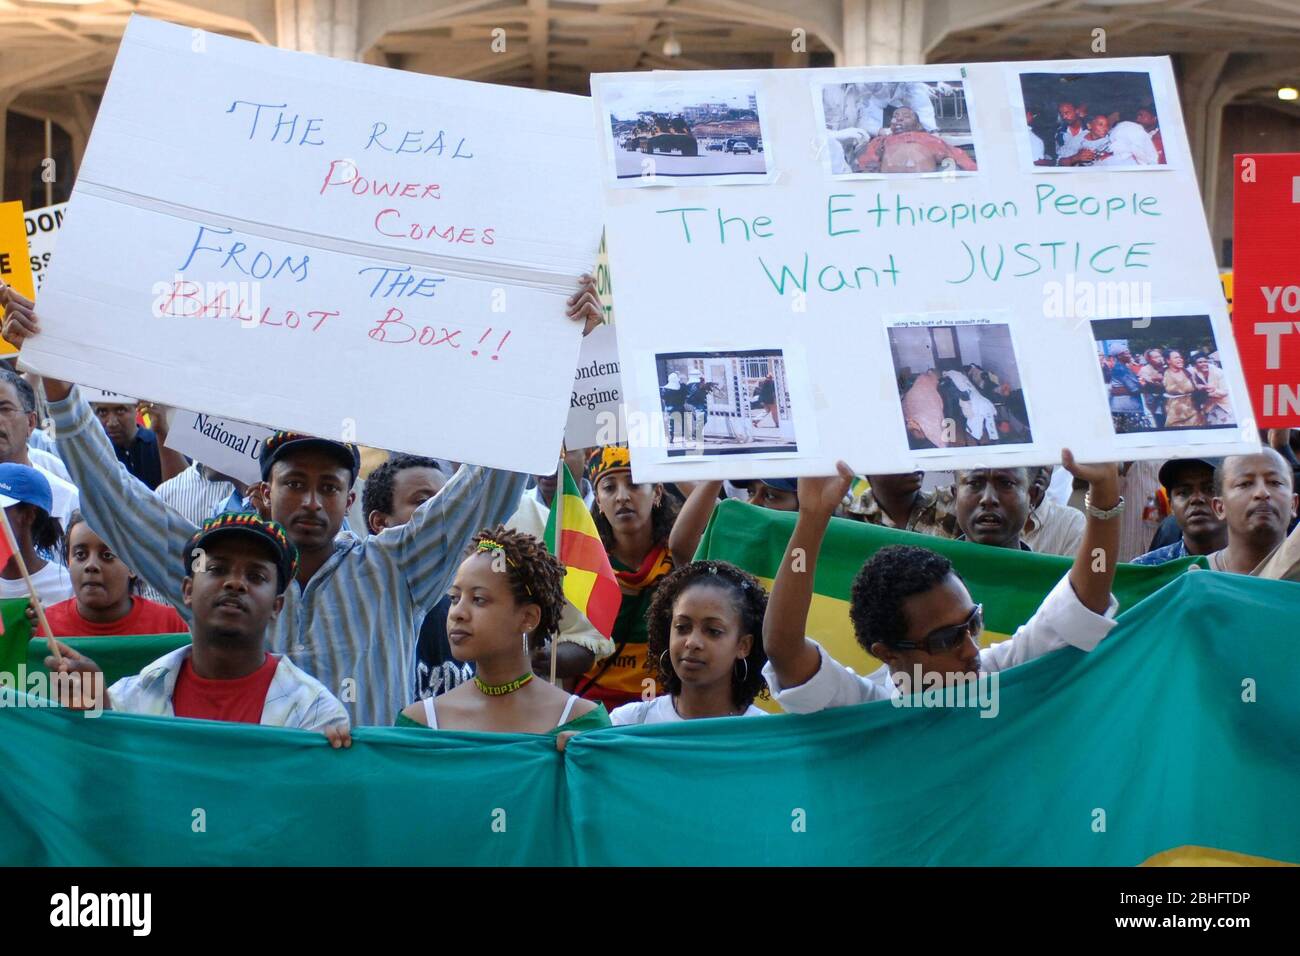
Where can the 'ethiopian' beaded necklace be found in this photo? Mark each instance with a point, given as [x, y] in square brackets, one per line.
[499, 690]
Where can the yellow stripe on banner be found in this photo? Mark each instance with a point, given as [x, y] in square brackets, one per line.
[829, 626]
[1208, 856]
[577, 586]
[575, 516]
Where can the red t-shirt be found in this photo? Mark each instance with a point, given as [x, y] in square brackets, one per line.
[145, 617]
[239, 701]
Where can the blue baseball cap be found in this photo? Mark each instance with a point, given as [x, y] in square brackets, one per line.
[22, 484]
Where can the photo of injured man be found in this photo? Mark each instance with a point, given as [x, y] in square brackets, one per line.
[884, 129]
[959, 385]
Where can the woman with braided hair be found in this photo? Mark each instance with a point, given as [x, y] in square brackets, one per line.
[507, 596]
[705, 627]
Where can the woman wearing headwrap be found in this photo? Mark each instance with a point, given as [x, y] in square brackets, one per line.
[634, 521]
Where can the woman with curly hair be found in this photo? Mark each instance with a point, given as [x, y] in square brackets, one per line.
[634, 521]
[705, 628]
[507, 596]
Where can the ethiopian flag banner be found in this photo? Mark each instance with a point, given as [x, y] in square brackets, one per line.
[571, 535]
[1010, 584]
[1176, 739]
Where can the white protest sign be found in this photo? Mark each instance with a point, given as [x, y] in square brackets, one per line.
[232, 448]
[98, 396]
[928, 271]
[597, 392]
[43, 226]
[325, 246]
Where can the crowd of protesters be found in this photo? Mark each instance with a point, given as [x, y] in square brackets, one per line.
[438, 606]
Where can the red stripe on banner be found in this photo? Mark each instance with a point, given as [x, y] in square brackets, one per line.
[603, 605]
[583, 551]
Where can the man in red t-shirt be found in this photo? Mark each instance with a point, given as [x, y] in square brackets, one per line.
[238, 566]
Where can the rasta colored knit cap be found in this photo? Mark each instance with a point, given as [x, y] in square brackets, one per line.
[250, 525]
[285, 443]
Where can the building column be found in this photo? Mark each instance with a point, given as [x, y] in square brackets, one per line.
[327, 27]
[6, 97]
[882, 32]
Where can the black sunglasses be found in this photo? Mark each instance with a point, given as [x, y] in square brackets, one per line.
[946, 638]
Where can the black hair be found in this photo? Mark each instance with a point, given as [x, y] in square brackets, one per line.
[377, 495]
[536, 576]
[47, 531]
[889, 577]
[662, 517]
[134, 585]
[26, 394]
[750, 602]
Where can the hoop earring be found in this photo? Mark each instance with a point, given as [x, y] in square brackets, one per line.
[663, 668]
[745, 676]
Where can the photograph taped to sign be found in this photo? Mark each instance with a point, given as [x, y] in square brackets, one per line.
[1164, 379]
[960, 388]
[702, 133]
[890, 123]
[1092, 117]
[743, 402]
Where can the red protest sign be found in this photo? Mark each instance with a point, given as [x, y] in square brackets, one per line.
[1266, 283]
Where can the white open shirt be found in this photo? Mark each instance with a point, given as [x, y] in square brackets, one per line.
[1060, 621]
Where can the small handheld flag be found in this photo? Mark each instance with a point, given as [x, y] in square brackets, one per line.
[571, 535]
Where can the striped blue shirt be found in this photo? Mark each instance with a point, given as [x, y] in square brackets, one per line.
[355, 624]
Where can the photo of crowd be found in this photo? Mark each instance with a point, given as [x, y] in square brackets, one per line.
[725, 403]
[959, 385]
[1108, 120]
[1163, 376]
[897, 128]
[686, 132]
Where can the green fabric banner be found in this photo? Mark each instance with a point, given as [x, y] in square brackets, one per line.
[117, 657]
[1182, 728]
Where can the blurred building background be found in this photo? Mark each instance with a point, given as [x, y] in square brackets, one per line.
[1237, 61]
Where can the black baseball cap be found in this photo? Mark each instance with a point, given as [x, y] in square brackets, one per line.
[250, 525]
[285, 443]
[1170, 469]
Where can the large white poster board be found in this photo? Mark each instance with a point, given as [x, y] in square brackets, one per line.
[328, 247]
[904, 268]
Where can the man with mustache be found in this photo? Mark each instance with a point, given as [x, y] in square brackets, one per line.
[911, 610]
[237, 567]
[1189, 482]
[353, 611]
[1255, 496]
[992, 506]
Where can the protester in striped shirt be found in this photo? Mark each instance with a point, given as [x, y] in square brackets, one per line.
[198, 491]
[352, 614]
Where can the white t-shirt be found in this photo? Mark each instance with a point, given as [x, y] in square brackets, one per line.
[48, 462]
[660, 710]
[64, 497]
[51, 582]
[1071, 142]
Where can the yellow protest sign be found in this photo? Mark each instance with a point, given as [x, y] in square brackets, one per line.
[1225, 280]
[15, 264]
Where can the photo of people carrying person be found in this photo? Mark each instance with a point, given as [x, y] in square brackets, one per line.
[686, 132]
[1109, 120]
[725, 403]
[959, 384]
[1163, 374]
[897, 128]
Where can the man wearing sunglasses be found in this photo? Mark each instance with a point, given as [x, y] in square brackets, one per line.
[910, 609]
